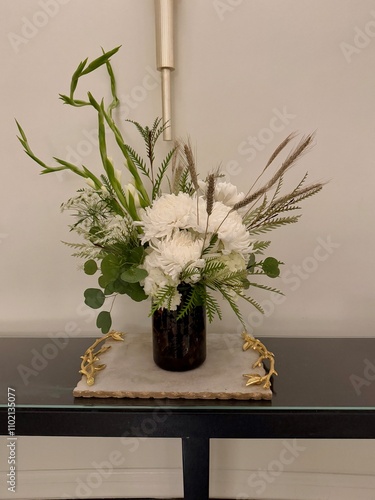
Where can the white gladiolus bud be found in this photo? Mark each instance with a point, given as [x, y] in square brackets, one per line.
[90, 183]
[131, 190]
[118, 174]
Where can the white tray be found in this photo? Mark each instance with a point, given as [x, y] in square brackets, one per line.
[131, 372]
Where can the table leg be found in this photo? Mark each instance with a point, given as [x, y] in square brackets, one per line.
[196, 465]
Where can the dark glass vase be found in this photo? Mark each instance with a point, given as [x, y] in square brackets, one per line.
[179, 344]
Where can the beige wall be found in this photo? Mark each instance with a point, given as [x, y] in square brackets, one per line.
[255, 69]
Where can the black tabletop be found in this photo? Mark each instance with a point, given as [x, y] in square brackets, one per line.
[314, 373]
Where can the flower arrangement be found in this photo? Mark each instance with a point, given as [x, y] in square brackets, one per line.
[167, 228]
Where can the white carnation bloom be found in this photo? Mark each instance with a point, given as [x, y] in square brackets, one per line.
[168, 212]
[173, 254]
[234, 235]
[225, 192]
[231, 231]
[155, 280]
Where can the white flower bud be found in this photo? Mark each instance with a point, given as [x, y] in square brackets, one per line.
[90, 183]
[118, 174]
[131, 190]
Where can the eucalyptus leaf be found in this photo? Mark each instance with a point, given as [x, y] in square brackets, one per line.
[135, 255]
[110, 288]
[104, 321]
[103, 281]
[134, 275]
[271, 267]
[90, 267]
[94, 298]
[118, 286]
[135, 291]
[110, 267]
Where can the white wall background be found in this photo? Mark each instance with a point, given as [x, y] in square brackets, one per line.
[238, 65]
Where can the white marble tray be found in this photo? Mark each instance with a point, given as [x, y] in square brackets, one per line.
[131, 372]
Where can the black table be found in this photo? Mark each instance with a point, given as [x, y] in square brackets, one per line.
[325, 389]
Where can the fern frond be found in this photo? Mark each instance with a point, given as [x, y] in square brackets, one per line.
[260, 246]
[211, 245]
[140, 129]
[274, 224]
[138, 161]
[158, 129]
[212, 267]
[227, 296]
[161, 172]
[212, 307]
[195, 297]
[163, 297]
[185, 184]
[251, 301]
[277, 190]
[256, 213]
[266, 287]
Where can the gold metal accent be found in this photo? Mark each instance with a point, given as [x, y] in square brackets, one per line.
[264, 353]
[88, 368]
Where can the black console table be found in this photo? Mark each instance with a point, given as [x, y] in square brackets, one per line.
[325, 389]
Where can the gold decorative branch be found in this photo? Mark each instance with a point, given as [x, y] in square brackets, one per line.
[88, 368]
[264, 353]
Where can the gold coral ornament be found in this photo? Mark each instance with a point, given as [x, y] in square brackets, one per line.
[88, 368]
[264, 353]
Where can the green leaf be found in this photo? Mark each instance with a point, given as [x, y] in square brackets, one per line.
[135, 255]
[134, 275]
[102, 281]
[251, 262]
[75, 77]
[96, 63]
[135, 291]
[94, 298]
[110, 267]
[90, 267]
[110, 288]
[117, 286]
[104, 321]
[271, 267]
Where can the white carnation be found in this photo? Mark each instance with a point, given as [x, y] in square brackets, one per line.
[168, 212]
[173, 254]
[231, 231]
[225, 192]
